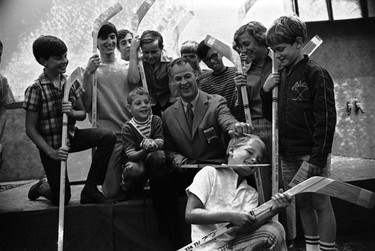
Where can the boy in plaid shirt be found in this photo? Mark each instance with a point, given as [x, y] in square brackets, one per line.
[44, 107]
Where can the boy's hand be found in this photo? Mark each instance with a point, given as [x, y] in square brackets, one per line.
[280, 200]
[67, 108]
[93, 64]
[314, 170]
[240, 79]
[242, 219]
[149, 145]
[60, 154]
[136, 43]
[272, 80]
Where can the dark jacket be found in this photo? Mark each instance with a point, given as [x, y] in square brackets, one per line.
[306, 111]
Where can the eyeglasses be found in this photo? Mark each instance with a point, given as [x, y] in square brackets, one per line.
[214, 56]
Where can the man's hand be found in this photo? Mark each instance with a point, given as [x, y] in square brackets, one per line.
[93, 64]
[177, 161]
[240, 128]
[272, 80]
[314, 170]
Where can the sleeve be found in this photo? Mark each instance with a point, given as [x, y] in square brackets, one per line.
[158, 128]
[225, 118]
[266, 104]
[324, 113]
[129, 140]
[169, 145]
[202, 183]
[32, 100]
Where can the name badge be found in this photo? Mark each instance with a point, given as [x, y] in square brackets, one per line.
[210, 134]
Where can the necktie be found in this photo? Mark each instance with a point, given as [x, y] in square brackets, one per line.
[189, 115]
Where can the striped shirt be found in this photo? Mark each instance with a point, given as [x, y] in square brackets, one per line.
[46, 99]
[223, 85]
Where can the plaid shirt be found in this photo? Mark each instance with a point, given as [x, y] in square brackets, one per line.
[46, 99]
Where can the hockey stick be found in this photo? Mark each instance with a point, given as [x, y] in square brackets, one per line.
[179, 28]
[233, 56]
[200, 166]
[77, 74]
[137, 19]
[337, 189]
[244, 8]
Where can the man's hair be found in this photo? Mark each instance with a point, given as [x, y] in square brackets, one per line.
[286, 29]
[179, 61]
[48, 46]
[149, 36]
[133, 93]
[202, 49]
[121, 34]
[236, 142]
[254, 29]
[107, 29]
[189, 46]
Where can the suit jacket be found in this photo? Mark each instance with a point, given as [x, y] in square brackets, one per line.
[205, 143]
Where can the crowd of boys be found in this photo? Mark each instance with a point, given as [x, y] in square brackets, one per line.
[186, 115]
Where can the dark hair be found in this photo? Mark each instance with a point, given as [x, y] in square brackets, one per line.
[149, 36]
[122, 34]
[1, 44]
[48, 46]
[254, 29]
[136, 91]
[179, 61]
[107, 29]
[189, 46]
[286, 29]
[202, 49]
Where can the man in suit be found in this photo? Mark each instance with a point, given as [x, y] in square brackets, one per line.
[196, 127]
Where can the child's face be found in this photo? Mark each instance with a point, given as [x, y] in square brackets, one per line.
[192, 58]
[107, 45]
[248, 153]
[288, 54]
[141, 107]
[151, 52]
[56, 64]
[214, 60]
[124, 45]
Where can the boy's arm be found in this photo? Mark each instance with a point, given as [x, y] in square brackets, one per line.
[129, 141]
[134, 76]
[31, 122]
[79, 110]
[88, 78]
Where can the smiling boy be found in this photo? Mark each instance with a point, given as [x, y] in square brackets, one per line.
[221, 195]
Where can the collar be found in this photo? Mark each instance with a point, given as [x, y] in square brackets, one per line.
[193, 102]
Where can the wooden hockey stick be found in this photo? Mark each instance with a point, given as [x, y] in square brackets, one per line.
[137, 19]
[244, 8]
[200, 166]
[233, 56]
[179, 28]
[337, 189]
[77, 74]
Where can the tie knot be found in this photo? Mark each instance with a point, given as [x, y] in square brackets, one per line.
[189, 105]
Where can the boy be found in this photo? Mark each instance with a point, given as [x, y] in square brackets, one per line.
[6, 97]
[143, 141]
[124, 40]
[156, 69]
[44, 107]
[189, 52]
[220, 80]
[112, 86]
[307, 119]
[222, 195]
